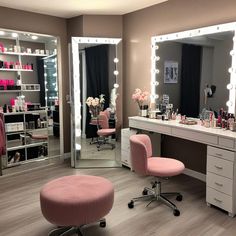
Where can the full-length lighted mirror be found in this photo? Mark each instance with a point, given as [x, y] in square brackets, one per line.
[186, 65]
[95, 75]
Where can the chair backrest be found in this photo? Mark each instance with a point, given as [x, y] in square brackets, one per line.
[103, 121]
[140, 150]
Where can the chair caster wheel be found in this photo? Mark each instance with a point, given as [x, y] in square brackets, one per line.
[179, 198]
[145, 192]
[176, 212]
[103, 224]
[131, 205]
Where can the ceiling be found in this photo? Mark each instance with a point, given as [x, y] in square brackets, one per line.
[72, 8]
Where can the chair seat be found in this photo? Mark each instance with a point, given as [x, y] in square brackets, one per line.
[164, 167]
[76, 200]
[106, 132]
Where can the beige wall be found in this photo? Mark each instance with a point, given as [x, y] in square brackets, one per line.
[171, 16]
[37, 23]
[95, 26]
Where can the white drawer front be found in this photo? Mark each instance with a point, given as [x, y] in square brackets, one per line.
[220, 166]
[150, 126]
[220, 183]
[194, 135]
[219, 199]
[218, 152]
[226, 142]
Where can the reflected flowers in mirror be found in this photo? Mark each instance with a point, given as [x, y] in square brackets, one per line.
[95, 105]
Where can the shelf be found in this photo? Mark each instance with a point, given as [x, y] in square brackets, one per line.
[24, 54]
[26, 146]
[15, 132]
[37, 130]
[4, 69]
[18, 91]
[27, 161]
[25, 112]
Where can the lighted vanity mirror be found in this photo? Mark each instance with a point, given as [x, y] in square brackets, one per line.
[94, 92]
[196, 68]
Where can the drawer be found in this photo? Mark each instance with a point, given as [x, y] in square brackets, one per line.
[150, 125]
[218, 152]
[226, 142]
[220, 166]
[195, 136]
[219, 199]
[220, 183]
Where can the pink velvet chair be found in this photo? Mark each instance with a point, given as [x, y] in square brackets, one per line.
[104, 131]
[143, 163]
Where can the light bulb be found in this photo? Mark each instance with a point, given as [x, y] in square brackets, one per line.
[116, 72]
[116, 85]
[229, 103]
[155, 83]
[14, 35]
[2, 33]
[229, 86]
[34, 37]
[232, 53]
[116, 60]
[230, 70]
[156, 71]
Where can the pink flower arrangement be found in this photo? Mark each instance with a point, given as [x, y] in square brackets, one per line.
[95, 105]
[140, 97]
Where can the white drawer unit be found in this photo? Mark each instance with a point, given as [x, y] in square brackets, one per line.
[125, 146]
[220, 166]
[221, 179]
[219, 183]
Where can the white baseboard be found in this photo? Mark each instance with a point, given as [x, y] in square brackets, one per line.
[67, 155]
[195, 174]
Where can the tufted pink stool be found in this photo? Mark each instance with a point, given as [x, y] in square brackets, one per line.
[73, 201]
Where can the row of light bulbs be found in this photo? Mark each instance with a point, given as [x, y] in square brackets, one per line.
[15, 35]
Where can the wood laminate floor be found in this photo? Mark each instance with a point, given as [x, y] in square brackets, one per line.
[20, 213]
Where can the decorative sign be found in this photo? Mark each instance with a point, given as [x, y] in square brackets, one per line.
[170, 72]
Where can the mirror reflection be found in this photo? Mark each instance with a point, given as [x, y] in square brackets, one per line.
[198, 70]
[29, 99]
[99, 93]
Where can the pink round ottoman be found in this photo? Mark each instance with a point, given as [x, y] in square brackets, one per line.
[76, 200]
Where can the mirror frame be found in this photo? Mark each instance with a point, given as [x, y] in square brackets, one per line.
[155, 40]
[75, 90]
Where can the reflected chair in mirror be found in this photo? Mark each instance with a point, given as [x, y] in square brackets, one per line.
[143, 163]
[104, 132]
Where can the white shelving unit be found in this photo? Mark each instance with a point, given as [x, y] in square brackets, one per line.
[21, 146]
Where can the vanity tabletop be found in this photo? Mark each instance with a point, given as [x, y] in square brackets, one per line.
[176, 124]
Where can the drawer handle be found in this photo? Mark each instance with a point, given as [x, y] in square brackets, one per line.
[218, 184]
[218, 154]
[219, 167]
[218, 200]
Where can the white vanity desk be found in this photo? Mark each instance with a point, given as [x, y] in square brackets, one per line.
[221, 150]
